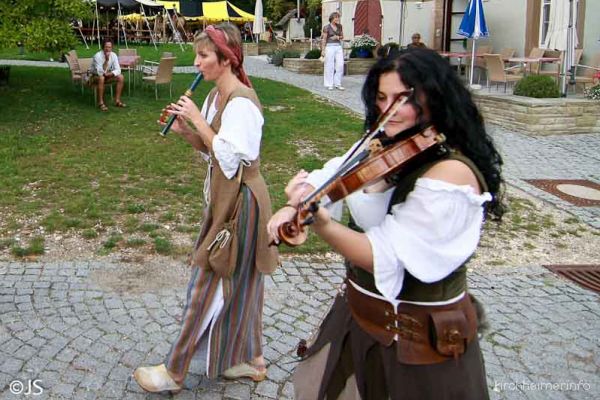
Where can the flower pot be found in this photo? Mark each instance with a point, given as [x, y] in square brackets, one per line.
[364, 53]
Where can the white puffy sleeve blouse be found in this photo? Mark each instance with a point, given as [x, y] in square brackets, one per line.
[240, 134]
[429, 235]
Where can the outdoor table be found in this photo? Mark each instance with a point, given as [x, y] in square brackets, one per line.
[525, 60]
[454, 54]
[129, 62]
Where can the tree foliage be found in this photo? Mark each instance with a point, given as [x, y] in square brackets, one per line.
[276, 9]
[41, 25]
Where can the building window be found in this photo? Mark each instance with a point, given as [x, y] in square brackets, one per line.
[544, 21]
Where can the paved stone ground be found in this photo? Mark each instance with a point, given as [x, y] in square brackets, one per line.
[82, 341]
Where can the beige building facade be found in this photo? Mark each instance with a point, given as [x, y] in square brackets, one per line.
[518, 24]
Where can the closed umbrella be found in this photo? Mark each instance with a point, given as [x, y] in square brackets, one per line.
[473, 26]
[258, 26]
[562, 35]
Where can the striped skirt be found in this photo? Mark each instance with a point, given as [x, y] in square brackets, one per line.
[229, 310]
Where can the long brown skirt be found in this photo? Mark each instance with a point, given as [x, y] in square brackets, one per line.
[346, 363]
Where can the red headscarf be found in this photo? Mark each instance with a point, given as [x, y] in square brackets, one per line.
[234, 55]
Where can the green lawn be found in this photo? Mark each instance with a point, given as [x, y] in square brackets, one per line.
[146, 51]
[67, 167]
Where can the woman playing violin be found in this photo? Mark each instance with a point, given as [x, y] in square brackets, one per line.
[223, 305]
[404, 325]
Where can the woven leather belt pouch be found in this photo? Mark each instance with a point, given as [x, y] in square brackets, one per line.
[425, 334]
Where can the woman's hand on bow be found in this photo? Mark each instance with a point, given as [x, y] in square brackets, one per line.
[298, 188]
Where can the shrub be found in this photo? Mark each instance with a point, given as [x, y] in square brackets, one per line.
[537, 86]
[278, 55]
[312, 22]
[593, 92]
[163, 246]
[313, 54]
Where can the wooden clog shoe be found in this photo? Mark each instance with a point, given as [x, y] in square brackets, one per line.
[156, 379]
[245, 370]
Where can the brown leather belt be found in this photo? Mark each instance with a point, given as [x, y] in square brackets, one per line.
[426, 334]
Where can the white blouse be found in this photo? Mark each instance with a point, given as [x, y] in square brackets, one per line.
[239, 137]
[431, 234]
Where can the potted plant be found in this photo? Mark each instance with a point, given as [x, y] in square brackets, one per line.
[593, 93]
[362, 46]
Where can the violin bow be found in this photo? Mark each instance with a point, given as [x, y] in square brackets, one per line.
[348, 163]
[383, 119]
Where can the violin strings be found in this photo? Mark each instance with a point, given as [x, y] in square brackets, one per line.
[348, 162]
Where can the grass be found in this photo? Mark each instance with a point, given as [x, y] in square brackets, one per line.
[146, 51]
[35, 247]
[67, 167]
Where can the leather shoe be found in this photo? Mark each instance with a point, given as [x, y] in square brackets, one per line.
[156, 379]
[245, 370]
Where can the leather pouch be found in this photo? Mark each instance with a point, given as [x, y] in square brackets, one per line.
[223, 249]
[450, 332]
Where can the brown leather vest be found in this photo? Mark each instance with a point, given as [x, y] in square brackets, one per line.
[224, 193]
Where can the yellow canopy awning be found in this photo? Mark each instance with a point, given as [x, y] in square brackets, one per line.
[170, 4]
[134, 17]
[221, 11]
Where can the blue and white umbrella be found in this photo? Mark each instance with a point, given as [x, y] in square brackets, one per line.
[473, 26]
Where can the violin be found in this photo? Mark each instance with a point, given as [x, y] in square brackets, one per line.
[378, 162]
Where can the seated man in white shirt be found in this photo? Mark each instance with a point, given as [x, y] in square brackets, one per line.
[105, 68]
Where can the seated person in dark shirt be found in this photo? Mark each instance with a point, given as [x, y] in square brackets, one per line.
[416, 42]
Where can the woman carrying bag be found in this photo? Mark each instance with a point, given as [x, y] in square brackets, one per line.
[226, 290]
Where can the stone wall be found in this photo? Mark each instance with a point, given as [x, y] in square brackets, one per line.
[303, 66]
[540, 116]
[354, 66]
[359, 66]
[254, 49]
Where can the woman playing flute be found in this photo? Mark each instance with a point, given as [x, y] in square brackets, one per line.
[227, 308]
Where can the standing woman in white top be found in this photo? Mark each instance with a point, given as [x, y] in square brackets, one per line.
[223, 305]
[331, 49]
[404, 325]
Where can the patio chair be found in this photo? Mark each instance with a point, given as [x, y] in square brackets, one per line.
[77, 74]
[496, 72]
[149, 66]
[479, 66]
[507, 52]
[536, 52]
[163, 75]
[588, 71]
[554, 69]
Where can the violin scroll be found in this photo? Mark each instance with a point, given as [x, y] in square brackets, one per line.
[292, 233]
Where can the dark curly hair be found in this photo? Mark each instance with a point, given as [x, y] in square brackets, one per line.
[451, 109]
